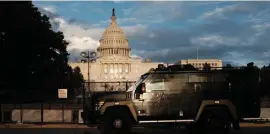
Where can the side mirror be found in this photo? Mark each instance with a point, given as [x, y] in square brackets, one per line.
[143, 89]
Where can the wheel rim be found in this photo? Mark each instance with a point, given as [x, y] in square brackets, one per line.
[117, 123]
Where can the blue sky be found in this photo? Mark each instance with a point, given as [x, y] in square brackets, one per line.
[236, 32]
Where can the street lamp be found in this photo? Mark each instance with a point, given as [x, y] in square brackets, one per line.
[88, 57]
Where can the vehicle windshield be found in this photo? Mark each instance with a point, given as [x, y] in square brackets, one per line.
[141, 79]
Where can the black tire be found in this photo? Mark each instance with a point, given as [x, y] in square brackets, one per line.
[192, 128]
[113, 116]
[213, 122]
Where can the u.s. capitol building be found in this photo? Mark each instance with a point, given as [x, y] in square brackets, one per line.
[114, 62]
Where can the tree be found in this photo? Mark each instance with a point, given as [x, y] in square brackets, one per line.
[189, 67]
[228, 66]
[76, 82]
[250, 65]
[206, 66]
[265, 81]
[34, 56]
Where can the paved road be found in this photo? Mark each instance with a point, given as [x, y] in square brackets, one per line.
[93, 130]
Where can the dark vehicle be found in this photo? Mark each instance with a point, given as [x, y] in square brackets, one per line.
[199, 99]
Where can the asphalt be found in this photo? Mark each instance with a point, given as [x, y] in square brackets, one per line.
[81, 129]
[243, 125]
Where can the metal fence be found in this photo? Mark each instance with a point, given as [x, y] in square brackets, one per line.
[56, 113]
[108, 86]
[41, 113]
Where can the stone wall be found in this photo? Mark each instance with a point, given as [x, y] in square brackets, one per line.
[32, 113]
[265, 112]
[49, 116]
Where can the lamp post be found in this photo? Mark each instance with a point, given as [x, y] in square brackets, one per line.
[87, 57]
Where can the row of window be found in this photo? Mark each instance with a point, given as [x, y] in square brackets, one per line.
[111, 32]
[176, 81]
[115, 51]
[110, 77]
[202, 64]
[115, 77]
[113, 41]
[116, 68]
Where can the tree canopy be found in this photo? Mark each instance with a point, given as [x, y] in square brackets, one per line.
[76, 80]
[33, 56]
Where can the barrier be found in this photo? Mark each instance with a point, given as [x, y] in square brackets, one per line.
[40, 113]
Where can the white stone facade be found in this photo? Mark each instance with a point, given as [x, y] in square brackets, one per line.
[114, 62]
[198, 63]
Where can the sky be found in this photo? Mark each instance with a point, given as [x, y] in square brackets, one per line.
[236, 32]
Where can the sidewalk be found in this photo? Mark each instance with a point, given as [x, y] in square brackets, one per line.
[44, 126]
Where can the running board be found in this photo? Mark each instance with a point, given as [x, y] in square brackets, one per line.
[256, 118]
[164, 121]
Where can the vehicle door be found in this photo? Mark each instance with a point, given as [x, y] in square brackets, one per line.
[154, 86]
[136, 95]
[178, 95]
[162, 92]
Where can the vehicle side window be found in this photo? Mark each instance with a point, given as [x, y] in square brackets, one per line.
[176, 81]
[155, 83]
[221, 77]
[200, 77]
[179, 78]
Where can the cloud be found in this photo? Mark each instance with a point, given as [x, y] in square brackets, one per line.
[233, 40]
[119, 21]
[155, 11]
[51, 9]
[213, 40]
[236, 32]
[227, 10]
[235, 9]
[127, 11]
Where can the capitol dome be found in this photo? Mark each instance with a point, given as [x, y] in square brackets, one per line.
[114, 41]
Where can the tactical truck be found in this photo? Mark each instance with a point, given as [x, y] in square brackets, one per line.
[199, 99]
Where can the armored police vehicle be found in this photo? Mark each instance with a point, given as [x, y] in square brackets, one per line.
[199, 99]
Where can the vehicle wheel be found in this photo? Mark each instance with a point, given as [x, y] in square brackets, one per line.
[116, 122]
[214, 122]
[192, 128]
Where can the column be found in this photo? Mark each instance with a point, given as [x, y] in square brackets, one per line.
[120, 68]
[126, 68]
[123, 68]
[116, 69]
[111, 68]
